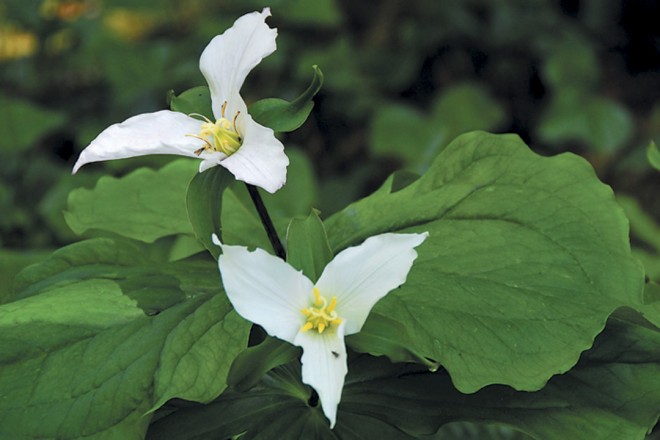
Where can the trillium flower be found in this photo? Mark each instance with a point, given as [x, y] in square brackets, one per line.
[234, 140]
[269, 292]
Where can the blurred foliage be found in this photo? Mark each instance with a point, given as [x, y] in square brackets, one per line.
[569, 75]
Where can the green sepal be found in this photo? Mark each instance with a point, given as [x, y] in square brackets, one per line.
[204, 204]
[307, 245]
[284, 116]
[195, 100]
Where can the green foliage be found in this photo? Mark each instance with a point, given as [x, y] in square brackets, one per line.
[144, 205]
[126, 332]
[600, 123]
[653, 155]
[527, 281]
[481, 299]
[611, 393]
[24, 123]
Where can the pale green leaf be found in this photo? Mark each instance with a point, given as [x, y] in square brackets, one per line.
[144, 205]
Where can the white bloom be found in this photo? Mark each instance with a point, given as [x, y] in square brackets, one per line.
[234, 140]
[267, 291]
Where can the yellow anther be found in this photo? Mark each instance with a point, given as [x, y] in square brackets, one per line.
[333, 304]
[320, 315]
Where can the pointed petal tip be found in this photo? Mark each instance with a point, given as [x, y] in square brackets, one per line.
[215, 240]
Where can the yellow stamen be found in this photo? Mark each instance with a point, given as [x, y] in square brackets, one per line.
[333, 304]
[221, 135]
[320, 315]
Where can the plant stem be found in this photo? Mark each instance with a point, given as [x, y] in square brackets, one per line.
[266, 221]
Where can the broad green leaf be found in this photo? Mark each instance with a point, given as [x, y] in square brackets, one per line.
[196, 100]
[23, 123]
[144, 205]
[614, 392]
[112, 334]
[307, 245]
[285, 116]
[204, 203]
[653, 155]
[527, 257]
[600, 123]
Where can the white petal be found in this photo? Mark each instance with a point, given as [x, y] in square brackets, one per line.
[324, 366]
[260, 160]
[265, 290]
[163, 132]
[227, 60]
[359, 276]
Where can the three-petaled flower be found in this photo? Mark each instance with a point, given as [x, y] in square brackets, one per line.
[234, 140]
[267, 291]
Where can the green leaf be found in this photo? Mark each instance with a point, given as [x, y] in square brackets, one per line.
[204, 203]
[614, 392]
[250, 366]
[285, 116]
[573, 63]
[600, 123]
[527, 257]
[196, 100]
[144, 205]
[643, 226]
[387, 337]
[11, 263]
[307, 245]
[23, 123]
[310, 12]
[403, 132]
[653, 155]
[78, 349]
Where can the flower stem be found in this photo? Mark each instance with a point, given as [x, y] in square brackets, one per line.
[266, 221]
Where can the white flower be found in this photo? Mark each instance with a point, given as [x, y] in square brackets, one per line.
[267, 291]
[234, 140]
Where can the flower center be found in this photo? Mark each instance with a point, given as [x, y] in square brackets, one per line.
[320, 315]
[220, 135]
